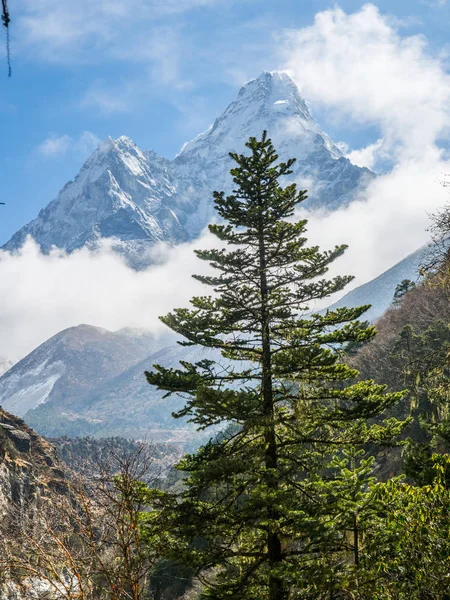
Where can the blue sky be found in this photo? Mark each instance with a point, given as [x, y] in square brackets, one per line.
[157, 71]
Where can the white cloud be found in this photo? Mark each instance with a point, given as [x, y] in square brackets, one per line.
[58, 145]
[43, 294]
[367, 156]
[54, 145]
[359, 67]
[86, 31]
[387, 223]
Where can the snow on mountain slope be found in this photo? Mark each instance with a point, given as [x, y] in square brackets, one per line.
[379, 292]
[124, 405]
[5, 365]
[90, 381]
[68, 365]
[118, 193]
[139, 198]
[271, 101]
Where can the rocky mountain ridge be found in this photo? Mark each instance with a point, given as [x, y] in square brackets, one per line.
[90, 381]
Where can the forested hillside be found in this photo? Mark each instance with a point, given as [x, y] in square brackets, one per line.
[85, 454]
[411, 336]
[411, 351]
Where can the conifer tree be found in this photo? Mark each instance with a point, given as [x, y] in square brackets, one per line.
[256, 515]
[405, 286]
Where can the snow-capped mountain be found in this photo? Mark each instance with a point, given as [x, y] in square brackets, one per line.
[273, 102]
[69, 364]
[139, 198]
[118, 193]
[90, 381]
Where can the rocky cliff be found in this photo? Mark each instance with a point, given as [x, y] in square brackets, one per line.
[29, 467]
[30, 474]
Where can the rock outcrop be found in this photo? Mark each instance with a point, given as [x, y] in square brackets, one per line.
[30, 474]
[29, 467]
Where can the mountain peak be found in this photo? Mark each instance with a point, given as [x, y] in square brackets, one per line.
[273, 102]
[122, 149]
[125, 141]
[118, 145]
[270, 80]
[278, 92]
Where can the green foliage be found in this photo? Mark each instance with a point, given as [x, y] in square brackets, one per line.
[399, 536]
[421, 353]
[425, 358]
[352, 348]
[407, 549]
[267, 508]
[401, 289]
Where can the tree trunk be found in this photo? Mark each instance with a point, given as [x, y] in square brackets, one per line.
[277, 589]
[355, 540]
